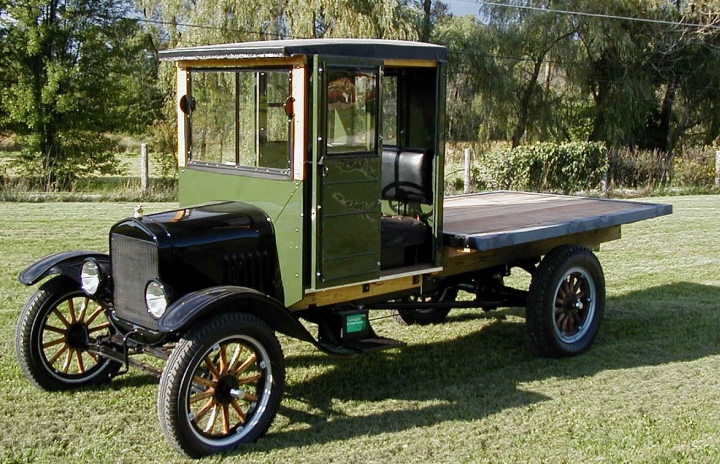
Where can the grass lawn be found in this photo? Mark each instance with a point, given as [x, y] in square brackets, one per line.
[464, 391]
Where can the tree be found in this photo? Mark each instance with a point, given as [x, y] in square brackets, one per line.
[66, 67]
[479, 92]
[528, 41]
[189, 22]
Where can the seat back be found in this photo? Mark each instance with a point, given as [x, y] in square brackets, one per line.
[407, 175]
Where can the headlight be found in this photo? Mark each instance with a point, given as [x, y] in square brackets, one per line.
[156, 299]
[91, 277]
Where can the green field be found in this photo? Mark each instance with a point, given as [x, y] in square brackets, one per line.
[465, 391]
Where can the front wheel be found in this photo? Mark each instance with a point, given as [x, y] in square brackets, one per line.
[222, 385]
[54, 331]
[566, 302]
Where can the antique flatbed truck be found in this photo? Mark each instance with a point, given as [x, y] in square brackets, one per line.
[311, 192]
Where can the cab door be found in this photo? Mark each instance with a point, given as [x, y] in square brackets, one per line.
[346, 149]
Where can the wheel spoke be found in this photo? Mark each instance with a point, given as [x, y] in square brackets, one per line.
[58, 354]
[205, 409]
[59, 315]
[250, 398]
[577, 319]
[93, 356]
[561, 291]
[235, 358]
[248, 362]
[81, 365]
[238, 410]
[250, 379]
[201, 396]
[213, 369]
[55, 329]
[560, 321]
[223, 358]
[68, 361]
[94, 315]
[97, 328]
[213, 418]
[204, 382]
[226, 419]
[71, 305]
[54, 342]
[83, 310]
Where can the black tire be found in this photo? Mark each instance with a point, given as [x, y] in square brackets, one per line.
[566, 302]
[53, 332]
[202, 407]
[425, 316]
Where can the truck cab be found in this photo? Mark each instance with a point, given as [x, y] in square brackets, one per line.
[339, 142]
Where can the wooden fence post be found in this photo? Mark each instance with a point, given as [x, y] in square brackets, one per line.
[144, 168]
[468, 162]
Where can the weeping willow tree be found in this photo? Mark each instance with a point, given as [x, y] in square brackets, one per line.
[187, 23]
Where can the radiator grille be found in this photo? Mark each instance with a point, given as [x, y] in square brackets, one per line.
[134, 263]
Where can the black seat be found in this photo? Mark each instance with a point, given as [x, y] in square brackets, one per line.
[406, 178]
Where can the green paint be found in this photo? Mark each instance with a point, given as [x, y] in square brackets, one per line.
[346, 218]
[356, 323]
[280, 199]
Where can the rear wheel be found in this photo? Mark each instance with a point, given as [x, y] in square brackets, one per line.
[566, 302]
[222, 385]
[54, 330]
[427, 316]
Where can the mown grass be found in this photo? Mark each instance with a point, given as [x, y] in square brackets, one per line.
[465, 391]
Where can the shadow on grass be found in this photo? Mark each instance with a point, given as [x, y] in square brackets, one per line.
[477, 374]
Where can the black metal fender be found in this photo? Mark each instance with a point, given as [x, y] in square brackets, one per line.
[193, 306]
[67, 263]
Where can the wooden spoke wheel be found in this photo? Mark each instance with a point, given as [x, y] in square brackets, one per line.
[566, 302]
[54, 331]
[425, 316]
[574, 305]
[222, 385]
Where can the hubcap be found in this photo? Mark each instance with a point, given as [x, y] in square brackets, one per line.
[225, 387]
[78, 336]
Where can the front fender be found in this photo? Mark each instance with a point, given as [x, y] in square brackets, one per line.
[67, 263]
[191, 307]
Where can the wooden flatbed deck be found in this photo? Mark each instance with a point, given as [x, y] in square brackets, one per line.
[487, 221]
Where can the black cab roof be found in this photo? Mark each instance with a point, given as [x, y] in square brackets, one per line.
[358, 48]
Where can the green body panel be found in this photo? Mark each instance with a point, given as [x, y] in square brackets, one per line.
[280, 199]
[350, 220]
[346, 192]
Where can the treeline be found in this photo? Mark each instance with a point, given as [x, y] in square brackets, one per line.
[631, 75]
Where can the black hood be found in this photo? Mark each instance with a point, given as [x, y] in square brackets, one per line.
[228, 243]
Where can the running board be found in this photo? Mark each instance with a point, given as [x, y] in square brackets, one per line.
[362, 345]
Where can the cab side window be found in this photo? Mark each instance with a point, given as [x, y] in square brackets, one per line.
[351, 111]
[239, 119]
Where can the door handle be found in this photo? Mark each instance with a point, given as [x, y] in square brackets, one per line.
[323, 168]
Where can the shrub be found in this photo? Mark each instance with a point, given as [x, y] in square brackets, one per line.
[544, 167]
[694, 167]
[633, 168]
